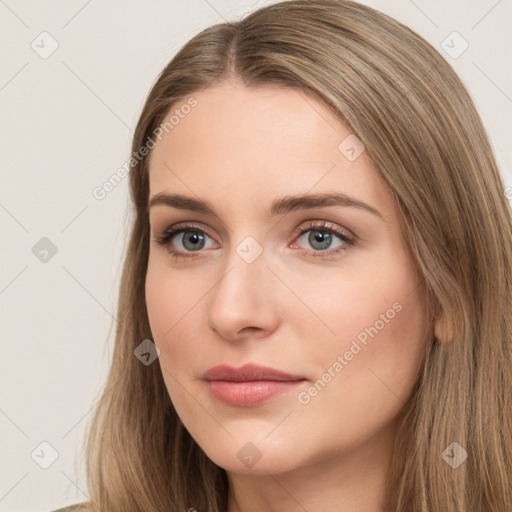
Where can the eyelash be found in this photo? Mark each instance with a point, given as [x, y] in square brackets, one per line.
[165, 237]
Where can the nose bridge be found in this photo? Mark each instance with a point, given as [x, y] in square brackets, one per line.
[244, 271]
[242, 297]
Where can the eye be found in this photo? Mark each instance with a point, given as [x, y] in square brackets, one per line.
[191, 238]
[321, 237]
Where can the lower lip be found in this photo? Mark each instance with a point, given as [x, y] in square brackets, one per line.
[249, 394]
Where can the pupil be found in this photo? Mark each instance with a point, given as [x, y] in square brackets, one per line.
[193, 241]
[320, 237]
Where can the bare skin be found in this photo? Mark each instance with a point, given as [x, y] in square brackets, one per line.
[298, 307]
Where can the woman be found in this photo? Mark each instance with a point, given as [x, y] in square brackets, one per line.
[316, 305]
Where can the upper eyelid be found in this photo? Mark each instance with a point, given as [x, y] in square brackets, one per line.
[315, 224]
[348, 237]
[183, 225]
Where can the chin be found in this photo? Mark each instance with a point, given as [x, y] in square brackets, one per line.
[267, 464]
[245, 454]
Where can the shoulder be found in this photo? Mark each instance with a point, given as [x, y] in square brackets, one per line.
[80, 507]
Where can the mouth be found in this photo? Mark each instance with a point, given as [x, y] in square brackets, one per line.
[249, 385]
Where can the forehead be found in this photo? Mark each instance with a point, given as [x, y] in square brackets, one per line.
[258, 143]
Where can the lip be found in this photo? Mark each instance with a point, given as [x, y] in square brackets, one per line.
[249, 385]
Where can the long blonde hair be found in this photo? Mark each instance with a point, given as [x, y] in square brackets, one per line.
[422, 131]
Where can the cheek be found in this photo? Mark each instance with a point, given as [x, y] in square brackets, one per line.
[378, 318]
[171, 297]
[170, 307]
[168, 303]
[366, 372]
[176, 311]
[373, 312]
[175, 303]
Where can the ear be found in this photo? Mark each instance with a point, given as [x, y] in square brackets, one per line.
[444, 330]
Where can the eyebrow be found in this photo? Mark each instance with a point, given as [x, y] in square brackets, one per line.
[278, 207]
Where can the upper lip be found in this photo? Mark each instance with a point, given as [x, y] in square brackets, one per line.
[248, 372]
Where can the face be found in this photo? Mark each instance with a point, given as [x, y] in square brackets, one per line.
[324, 291]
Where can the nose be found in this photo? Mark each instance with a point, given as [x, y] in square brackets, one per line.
[243, 302]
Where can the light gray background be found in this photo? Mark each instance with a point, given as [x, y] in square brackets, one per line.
[66, 126]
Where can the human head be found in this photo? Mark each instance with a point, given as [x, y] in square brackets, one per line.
[346, 313]
[414, 117]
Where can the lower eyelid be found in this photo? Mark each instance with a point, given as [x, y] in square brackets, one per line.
[171, 233]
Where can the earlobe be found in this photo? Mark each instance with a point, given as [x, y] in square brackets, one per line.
[443, 329]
